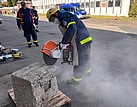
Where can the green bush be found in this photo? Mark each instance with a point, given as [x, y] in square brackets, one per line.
[133, 10]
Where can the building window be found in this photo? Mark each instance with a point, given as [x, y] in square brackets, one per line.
[66, 9]
[36, 7]
[97, 3]
[117, 3]
[46, 6]
[110, 3]
[87, 4]
[40, 7]
[51, 6]
[82, 5]
[92, 4]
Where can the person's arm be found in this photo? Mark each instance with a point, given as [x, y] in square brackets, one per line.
[31, 16]
[18, 19]
[70, 25]
[37, 15]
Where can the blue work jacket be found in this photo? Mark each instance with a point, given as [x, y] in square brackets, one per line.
[74, 25]
[25, 18]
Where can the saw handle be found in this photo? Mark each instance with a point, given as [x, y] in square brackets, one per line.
[59, 45]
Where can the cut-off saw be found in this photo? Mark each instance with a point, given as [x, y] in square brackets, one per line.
[53, 51]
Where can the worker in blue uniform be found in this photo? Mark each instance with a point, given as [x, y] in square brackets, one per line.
[36, 18]
[25, 22]
[75, 33]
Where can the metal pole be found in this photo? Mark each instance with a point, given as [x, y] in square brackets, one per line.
[89, 6]
[0, 3]
[121, 2]
[106, 6]
[113, 7]
[84, 4]
[43, 5]
[100, 5]
[94, 6]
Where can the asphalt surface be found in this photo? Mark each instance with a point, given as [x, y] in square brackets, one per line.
[113, 81]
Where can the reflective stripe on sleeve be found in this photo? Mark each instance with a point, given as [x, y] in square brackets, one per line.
[76, 79]
[35, 17]
[85, 40]
[17, 18]
[70, 23]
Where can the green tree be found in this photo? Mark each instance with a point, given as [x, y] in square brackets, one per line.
[5, 4]
[11, 3]
[133, 10]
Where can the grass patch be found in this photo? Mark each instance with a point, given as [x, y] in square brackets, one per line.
[104, 17]
[121, 18]
[42, 15]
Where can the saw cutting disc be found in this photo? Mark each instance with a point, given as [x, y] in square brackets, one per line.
[48, 60]
[46, 50]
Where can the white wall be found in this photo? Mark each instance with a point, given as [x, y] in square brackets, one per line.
[125, 7]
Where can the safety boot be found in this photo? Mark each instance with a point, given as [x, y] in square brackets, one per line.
[36, 43]
[73, 82]
[29, 45]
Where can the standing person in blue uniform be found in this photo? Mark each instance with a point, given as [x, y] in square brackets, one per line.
[75, 33]
[25, 22]
[36, 18]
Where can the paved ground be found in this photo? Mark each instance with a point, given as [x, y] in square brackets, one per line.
[113, 81]
[129, 24]
[113, 25]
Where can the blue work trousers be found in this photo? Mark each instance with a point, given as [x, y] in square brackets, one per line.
[36, 21]
[84, 55]
[28, 32]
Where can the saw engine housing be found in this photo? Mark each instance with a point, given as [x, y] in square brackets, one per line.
[67, 54]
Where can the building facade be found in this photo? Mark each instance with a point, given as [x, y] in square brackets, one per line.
[93, 7]
[0, 3]
[28, 2]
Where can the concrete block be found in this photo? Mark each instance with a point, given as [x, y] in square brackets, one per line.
[34, 85]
